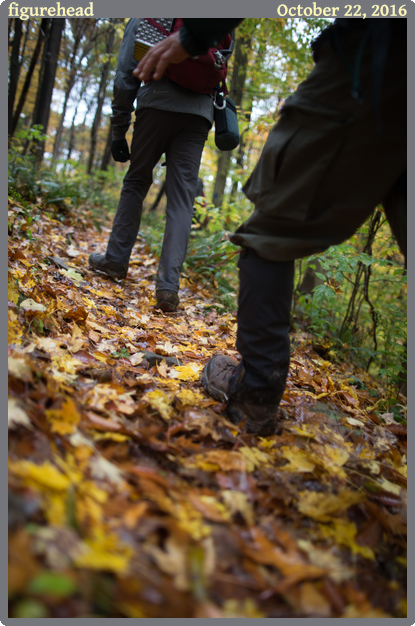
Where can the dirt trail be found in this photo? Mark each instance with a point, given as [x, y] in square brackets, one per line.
[132, 495]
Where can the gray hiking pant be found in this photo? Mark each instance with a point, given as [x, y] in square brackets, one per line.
[181, 136]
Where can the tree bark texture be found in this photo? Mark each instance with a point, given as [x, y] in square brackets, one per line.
[43, 30]
[80, 28]
[14, 71]
[47, 81]
[101, 97]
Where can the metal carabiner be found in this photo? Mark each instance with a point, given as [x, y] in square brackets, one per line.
[218, 107]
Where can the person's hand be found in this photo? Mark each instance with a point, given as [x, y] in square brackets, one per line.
[120, 150]
[170, 50]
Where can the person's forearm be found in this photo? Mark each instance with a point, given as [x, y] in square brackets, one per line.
[199, 34]
[194, 38]
[125, 93]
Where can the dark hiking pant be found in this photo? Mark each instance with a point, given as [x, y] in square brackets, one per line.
[324, 168]
[181, 136]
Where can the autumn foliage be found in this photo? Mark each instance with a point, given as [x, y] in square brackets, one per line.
[132, 495]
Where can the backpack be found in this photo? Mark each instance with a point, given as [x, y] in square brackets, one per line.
[205, 74]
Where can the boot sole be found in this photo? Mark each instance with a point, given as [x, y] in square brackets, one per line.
[116, 276]
[215, 393]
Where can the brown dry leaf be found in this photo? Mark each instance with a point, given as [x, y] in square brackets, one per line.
[22, 564]
[312, 602]
[135, 513]
[291, 563]
[237, 502]
[325, 558]
[172, 560]
[215, 460]
[77, 340]
[100, 395]
[209, 507]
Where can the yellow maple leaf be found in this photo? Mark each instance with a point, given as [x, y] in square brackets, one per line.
[15, 330]
[324, 558]
[66, 363]
[237, 502]
[255, 457]
[100, 395]
[299, 460]
[344, 533]
[45, 476]
[215, 460]
[166, 348]
[191, 520]
[13, 294]
[106, 553]
[242, 608]
[189, 397]
[64, 420]
[325, 506]
[187, 372]
[161, 402]
[170, 383]
[55, 508]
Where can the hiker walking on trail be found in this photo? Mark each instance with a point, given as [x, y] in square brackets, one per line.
[171, 119]
[337, 151]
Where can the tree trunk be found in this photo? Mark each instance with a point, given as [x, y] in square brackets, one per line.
[14, 71]
[69, 84]
[81, 26]
[71, 143]
[242, 49]
[46, 82]
[101, 97]
[43, 30]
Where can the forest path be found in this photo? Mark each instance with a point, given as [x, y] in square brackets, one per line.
[132, 495]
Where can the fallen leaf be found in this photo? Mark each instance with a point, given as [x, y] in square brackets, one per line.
[324, 506]
[16, 416]
[161, 402]
[31, 305]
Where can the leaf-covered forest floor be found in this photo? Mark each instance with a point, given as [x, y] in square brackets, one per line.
[132, 495]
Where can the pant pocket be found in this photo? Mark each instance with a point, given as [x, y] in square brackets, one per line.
[294, 163]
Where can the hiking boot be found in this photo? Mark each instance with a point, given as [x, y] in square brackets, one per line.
[216, 376]
[111, 268]
[223, 379]
[167, 301]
